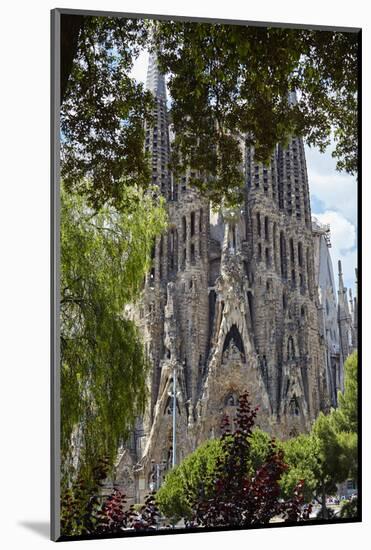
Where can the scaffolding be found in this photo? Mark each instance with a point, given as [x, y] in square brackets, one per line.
[322, 229]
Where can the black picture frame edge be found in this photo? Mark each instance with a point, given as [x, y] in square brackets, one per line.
[56, 14]
[359, 277]
[55, 280]
[197, 530]
[192, 19]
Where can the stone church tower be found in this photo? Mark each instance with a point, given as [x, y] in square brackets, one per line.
[347, 318]
[231, 304]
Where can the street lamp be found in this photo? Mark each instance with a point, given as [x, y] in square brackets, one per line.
[156, 474]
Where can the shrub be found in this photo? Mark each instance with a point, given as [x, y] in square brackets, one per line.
[233, 480]
[349, 508]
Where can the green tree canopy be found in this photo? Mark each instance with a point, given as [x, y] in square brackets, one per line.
[232, 481]
[334, 460]
[104, 257]
[194, 475]
[103, 109]
[328, 455]
[226, 81]
[322, 459]
[345, 417]
[302, 457]
[194, 478]
[229, 81]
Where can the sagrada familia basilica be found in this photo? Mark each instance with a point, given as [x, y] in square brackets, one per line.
[236, 300]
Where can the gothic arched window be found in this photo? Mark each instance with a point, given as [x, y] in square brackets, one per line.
[300, 254]
[192, 224]
[231, 400]
[293, 277]
[294, 406]
[266, 228]
[283, 258]
[302, 313]
[290, 348]
[250, 301]
[193, 253]
[170, 404]
[184, 228]
[292, 252]
[258, 224]
[301, 281]
[234, 336]
[259, 252]
[267, 258]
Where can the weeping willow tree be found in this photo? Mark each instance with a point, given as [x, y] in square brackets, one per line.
[104, 257]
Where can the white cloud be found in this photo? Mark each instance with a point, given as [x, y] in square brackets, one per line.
[140, 66]
[335, 203]
[343, 241]
[336, 190]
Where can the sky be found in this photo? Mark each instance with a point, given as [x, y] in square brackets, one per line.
[333, 198]
[334, 201]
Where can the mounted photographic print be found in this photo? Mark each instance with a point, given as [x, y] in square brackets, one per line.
[204, 275]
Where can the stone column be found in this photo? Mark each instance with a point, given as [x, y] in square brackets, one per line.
[202, 225]
[275, 247]
[309, 264]
[181, 245]
[165, 255]
[269, 241]
[296, 263]
[157, 261]
[301, 268]
[197, 236]
[188, 241]
[176, 250]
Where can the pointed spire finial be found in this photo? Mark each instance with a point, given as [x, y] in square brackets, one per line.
[155, 79]
[341, 282]
[351, 302]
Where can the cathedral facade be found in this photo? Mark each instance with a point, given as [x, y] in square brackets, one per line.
[232, 303]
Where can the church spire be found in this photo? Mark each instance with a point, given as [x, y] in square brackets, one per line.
[342, 293]
[157, 134]
[344, 318]
[351, 303]
[155, 79]
[341, 282]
